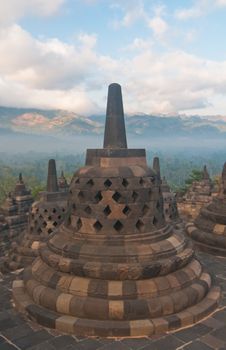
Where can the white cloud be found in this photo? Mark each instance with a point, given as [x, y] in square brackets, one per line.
[199, 8]
[50, 64]
[133, 11]
[53, 74]
[221, 2]
[18, 95]
[158, 25]
[11, 10]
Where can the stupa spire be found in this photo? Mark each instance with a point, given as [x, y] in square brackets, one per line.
[20, 178]
[205, 173]
[115, 132]
[156, 167]
[52, 185]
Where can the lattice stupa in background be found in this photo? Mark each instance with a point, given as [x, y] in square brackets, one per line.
[169, 198]
[46, 214]
[14, 214]
[209, 229]
[114, 267]
[198, 195]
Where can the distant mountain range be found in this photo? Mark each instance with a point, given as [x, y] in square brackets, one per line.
[59, 123]
[25, 130]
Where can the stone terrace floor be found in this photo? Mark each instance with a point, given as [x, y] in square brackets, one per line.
[16, 332]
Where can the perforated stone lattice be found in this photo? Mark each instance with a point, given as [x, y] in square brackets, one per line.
[103, 205]
[44, 221]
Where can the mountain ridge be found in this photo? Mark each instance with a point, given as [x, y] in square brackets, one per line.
[60, 123]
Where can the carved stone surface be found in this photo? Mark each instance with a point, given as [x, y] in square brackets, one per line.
[209, 228]
[198, 195]
[115, 268]
[46, 214]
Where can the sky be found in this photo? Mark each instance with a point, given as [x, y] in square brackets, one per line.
[169, 56]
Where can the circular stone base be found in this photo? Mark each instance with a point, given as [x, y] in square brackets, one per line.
[91, 327]
[207, 242]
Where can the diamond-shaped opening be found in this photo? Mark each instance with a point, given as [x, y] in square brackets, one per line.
[116, 196]
[118, 226]
[125, 183]
[107, 183]
[140, 225]
[107, 210]
[45, 211]
[63, 210]
[126, 210]
[50, 231]
[90, 183]
[152, 178]
[88, 210]
[77, 181]
[155, 221]
[39, 230]
[79, 224]
[59, 217]
[40, 217]
[54, 210]
[97, 226]
[73, 206]
[145, 209]
[141, 182]
[81, 195]
[134, 196]
[37, 210]
[44, 224]
[158, 206]
[98, 197]
[49, 217]
[55, 224]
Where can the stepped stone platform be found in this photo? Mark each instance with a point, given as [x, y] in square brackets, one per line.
[209, 229]
[198, 195]
[115, 268]
[18, 332]
[46, 215]
[14, 215]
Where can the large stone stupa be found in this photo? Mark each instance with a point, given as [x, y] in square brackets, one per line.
[209, 229]
[46, 214]
[114, 268]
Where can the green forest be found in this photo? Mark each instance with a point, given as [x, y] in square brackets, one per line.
[179, 170]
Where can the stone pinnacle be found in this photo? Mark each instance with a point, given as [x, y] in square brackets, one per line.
[156, 167]
[52, 185]
[205, 173]
[115, 132]
[20, 178]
